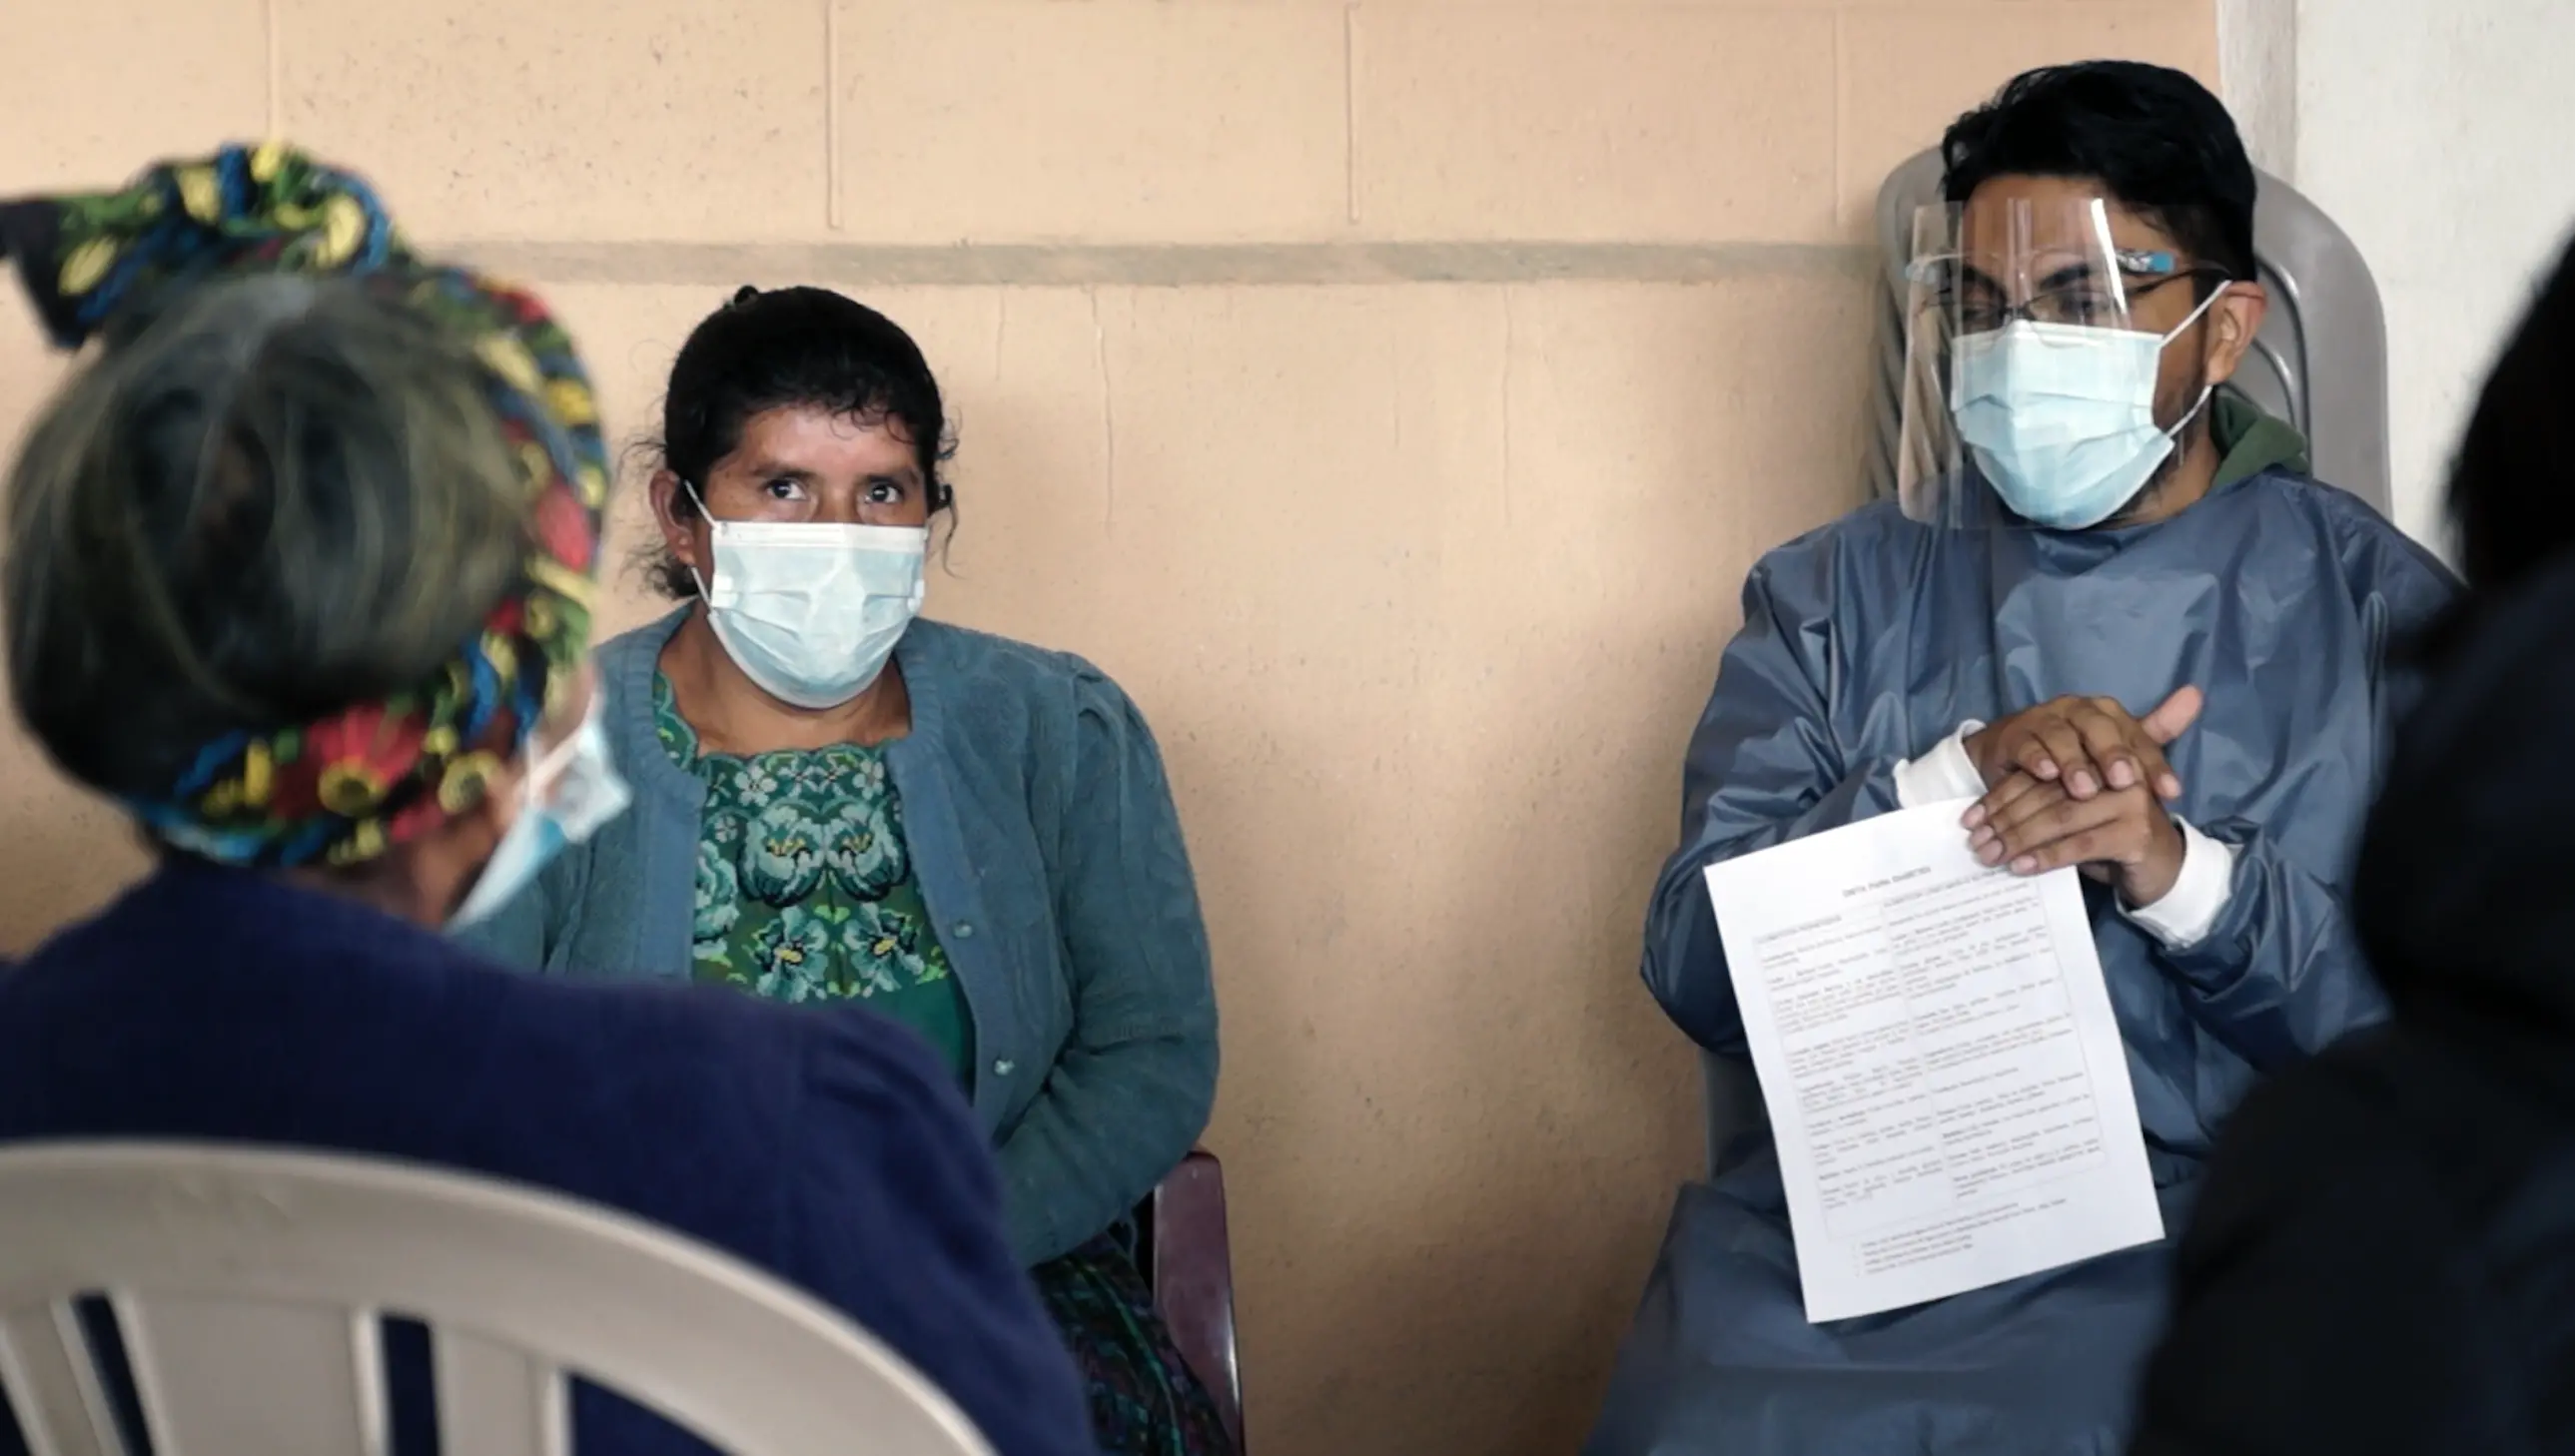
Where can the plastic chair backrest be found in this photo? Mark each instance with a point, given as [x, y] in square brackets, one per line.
[2319, 362]
[248, 1286]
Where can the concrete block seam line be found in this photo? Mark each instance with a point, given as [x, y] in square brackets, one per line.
[1510, 357]
[276, 70]
[1841, 108]
[1351, 109]
[1000, 329]
[1107, 416]
[1155, 264]
[831, 184]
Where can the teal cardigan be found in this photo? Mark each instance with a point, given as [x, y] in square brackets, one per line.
[1041, 824]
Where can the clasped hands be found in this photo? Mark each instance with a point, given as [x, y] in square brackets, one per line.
[2079, 781]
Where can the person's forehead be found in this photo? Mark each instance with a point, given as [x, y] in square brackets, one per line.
[2016, 213]
[817, 441]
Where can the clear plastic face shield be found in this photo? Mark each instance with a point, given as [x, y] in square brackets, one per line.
[2033, 359]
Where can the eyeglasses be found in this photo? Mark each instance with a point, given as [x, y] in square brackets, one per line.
[2084, 297]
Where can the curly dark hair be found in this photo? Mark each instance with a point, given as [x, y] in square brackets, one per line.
[782, 348]
[2156, 138]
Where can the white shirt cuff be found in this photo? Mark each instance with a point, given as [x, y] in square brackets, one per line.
[2189, 910]
[1943, 774]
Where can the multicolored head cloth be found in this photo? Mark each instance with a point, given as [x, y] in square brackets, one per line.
[341, 789]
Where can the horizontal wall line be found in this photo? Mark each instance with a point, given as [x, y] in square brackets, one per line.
[1015, 265]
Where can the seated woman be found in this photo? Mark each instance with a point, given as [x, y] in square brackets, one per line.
[300, 576]
[835, 802]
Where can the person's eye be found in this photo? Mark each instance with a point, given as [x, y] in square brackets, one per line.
[885, 493]
[783, 489]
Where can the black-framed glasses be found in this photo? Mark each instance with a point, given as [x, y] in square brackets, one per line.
[2078, 294]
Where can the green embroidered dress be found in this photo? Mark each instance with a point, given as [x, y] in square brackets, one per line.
[805, 894]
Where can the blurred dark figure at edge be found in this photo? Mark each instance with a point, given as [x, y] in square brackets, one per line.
[2384, 1257]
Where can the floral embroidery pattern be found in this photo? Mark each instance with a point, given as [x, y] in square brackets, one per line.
[719, 904]
[884, 948]
[792, 957]
[781, 853]
[863, 850]
[803, 890]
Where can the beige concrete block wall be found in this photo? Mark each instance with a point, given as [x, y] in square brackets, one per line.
[1393, 395]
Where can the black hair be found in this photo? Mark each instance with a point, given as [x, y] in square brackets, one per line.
[781, 348]
[2157, 140]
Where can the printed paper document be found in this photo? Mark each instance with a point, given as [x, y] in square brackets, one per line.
[1935, 1045]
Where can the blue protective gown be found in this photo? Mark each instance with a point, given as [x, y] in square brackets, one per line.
[1863, 645]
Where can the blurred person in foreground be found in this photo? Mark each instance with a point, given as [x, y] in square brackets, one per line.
[2114, 620]
[2384, 1258]
[300, 575]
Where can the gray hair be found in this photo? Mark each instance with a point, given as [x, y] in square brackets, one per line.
[264, 500]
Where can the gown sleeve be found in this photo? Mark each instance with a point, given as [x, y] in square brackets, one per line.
[1763, 768]
[2274, 979]
[2276, 976]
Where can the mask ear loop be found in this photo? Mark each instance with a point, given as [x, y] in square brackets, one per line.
[708, 517]
[2177, 329]
[2206, 390]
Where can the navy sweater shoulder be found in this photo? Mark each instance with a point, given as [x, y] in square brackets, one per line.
[824, 1146]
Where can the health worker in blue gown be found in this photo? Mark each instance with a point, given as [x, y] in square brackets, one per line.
[2114, 620]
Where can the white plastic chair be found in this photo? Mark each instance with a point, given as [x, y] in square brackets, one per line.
[248, 1285]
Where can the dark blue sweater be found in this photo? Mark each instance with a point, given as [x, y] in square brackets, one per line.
[822, 1145]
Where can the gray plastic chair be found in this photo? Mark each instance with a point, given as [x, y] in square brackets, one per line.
[2320, 363]
[248, 1285]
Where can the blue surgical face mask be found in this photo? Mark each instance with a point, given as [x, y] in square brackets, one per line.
[812, 613]
[2061, 416]
[564, 800]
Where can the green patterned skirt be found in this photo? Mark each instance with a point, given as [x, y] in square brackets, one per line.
[1145, 1402]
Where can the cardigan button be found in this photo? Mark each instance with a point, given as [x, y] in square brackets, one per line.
[964, 929]
[1002, 1068]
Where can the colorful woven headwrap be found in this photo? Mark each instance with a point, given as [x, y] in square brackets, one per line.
[342, 789]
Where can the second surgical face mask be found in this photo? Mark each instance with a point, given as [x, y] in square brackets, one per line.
[811, 612]
[564, 800]
[2061, 416]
